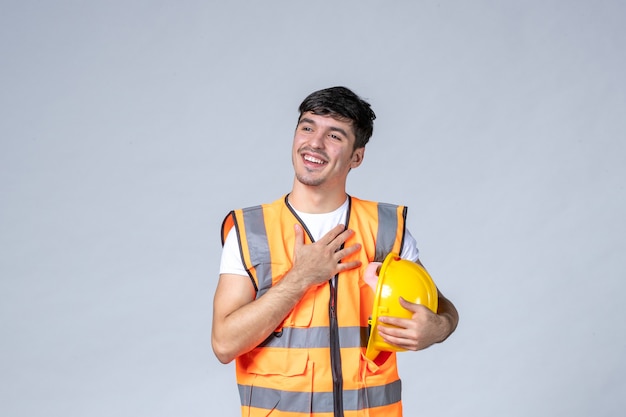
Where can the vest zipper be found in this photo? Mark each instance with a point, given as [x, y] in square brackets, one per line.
[335, 347]
[335, 351]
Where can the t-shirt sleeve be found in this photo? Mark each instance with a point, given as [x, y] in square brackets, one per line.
[409, 248]
[231, 262]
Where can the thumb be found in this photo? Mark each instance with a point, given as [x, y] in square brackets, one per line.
[414, 307]
[409, 305]
[299, 241]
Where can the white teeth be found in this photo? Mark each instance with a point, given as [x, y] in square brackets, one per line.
[312, 159]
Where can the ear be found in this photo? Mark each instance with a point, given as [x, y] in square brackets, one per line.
[357, 157]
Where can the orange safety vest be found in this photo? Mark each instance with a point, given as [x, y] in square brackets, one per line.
[314, 364]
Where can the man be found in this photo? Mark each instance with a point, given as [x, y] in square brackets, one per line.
[291, 305]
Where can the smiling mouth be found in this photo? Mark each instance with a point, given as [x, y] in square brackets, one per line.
[314, 160]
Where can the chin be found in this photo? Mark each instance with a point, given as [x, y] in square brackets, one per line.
[311, 182]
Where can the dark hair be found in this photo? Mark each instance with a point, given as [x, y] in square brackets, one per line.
[342, 103]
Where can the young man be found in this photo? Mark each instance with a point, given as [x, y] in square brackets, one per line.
[291, 306]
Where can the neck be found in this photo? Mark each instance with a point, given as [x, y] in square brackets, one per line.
[315, 200]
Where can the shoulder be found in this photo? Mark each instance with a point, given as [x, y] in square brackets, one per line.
[251, 213]
[377, 209]
[359, 201]
[280, 202]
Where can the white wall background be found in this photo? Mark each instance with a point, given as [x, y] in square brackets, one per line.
[129, 128]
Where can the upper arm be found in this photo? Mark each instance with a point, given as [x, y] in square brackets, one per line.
[232, 292]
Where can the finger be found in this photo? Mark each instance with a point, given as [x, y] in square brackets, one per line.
[348, 251]
[348, 265]
[396, 321]
[396, 331]
[344, 236]
[337, 244]
[391, 332]
[396, 337]
[333, 233]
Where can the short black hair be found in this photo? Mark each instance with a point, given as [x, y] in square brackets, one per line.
[342, 103]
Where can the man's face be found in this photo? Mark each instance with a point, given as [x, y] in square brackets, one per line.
[323, 150]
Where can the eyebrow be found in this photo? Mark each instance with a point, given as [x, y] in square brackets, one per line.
[332, 128]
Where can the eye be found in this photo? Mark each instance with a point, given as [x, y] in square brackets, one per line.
[336, 137]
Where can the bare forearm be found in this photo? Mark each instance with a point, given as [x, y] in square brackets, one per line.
[447, 311]
[246, 327]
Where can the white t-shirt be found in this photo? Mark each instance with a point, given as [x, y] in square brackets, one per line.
[318, 225]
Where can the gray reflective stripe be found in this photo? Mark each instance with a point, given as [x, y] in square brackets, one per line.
[258, 246]
[316, 337]
[387, 230]
[319, 402]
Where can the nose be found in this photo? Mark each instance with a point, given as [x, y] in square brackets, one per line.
[316, 140]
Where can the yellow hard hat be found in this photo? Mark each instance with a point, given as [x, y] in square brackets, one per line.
[397, 278]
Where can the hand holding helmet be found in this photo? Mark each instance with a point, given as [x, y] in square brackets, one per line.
[404, 292]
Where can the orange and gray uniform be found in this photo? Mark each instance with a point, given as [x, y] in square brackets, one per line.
[314, 364]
